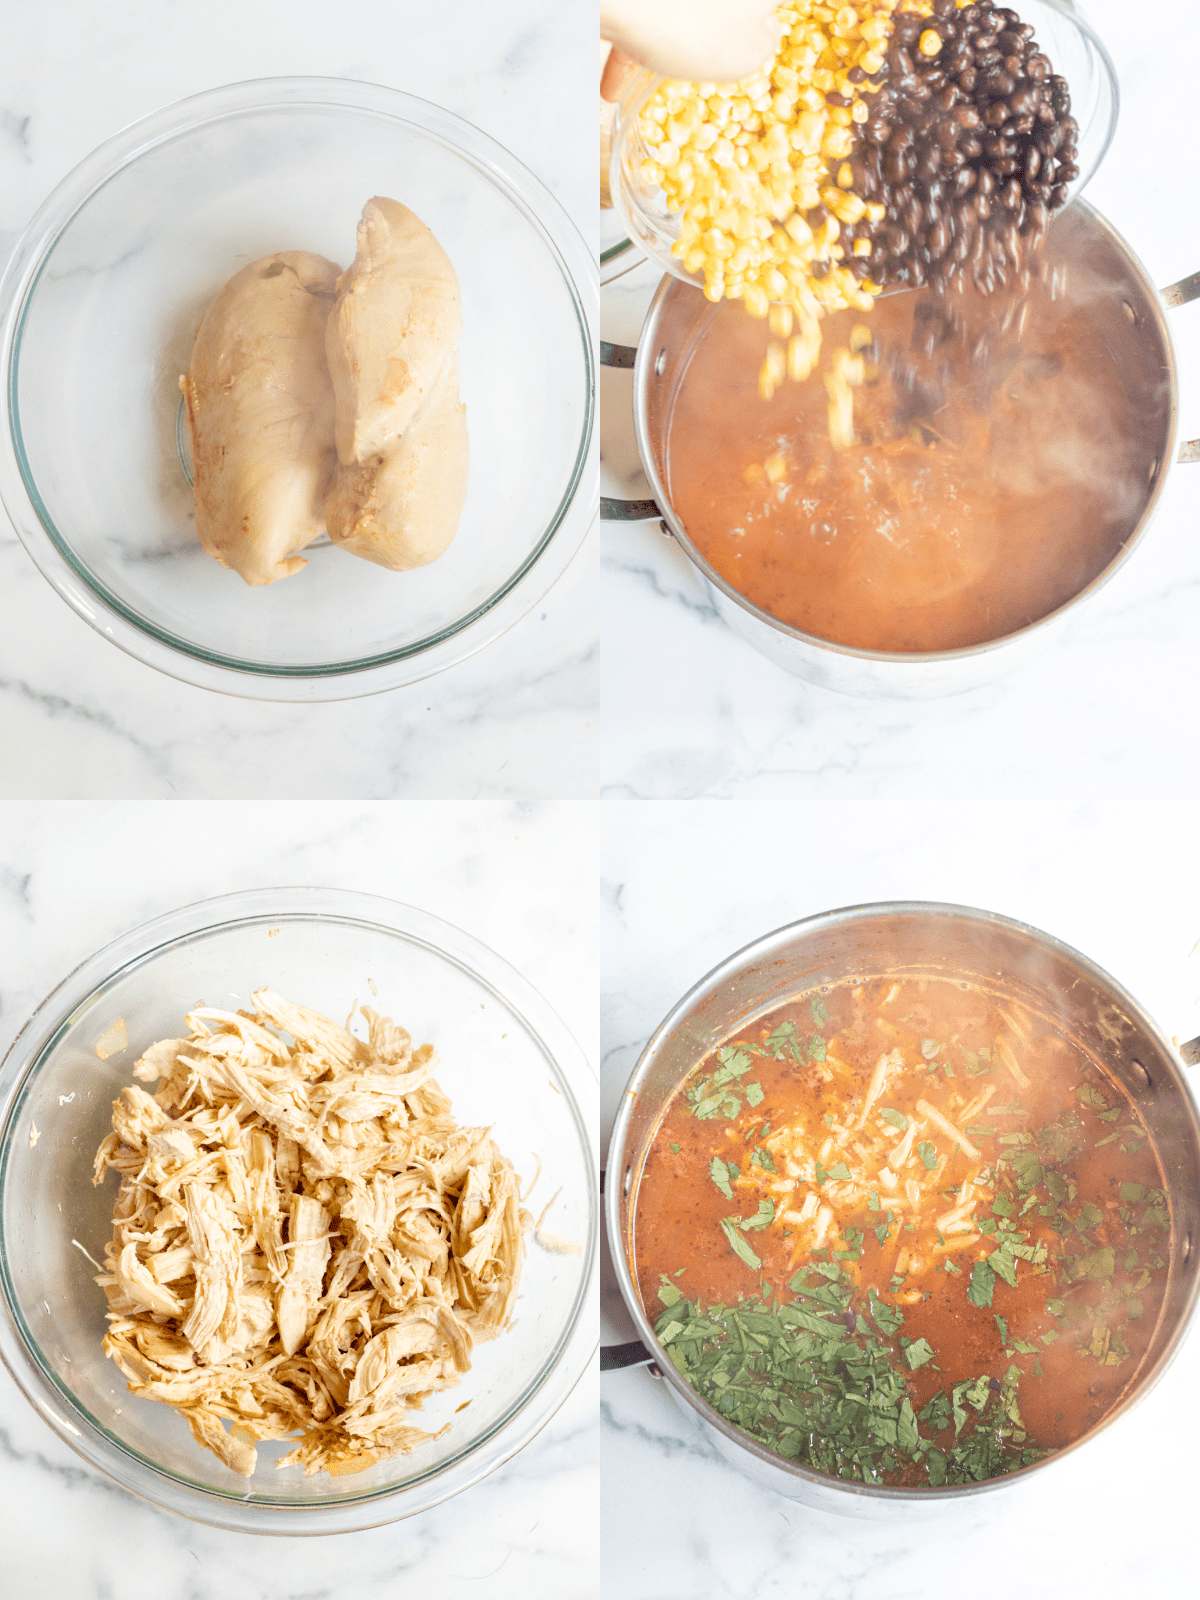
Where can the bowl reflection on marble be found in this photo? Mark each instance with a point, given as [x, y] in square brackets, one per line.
[506, 1061]
[99, 306]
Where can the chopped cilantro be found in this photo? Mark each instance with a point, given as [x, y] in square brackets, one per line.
[982, 1282]
[918, 1353]
[738, 1244]
[720, 1176]
[896, 1118]
[927, 1154]
[675, 1148]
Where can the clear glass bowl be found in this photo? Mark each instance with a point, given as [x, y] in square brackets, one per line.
[506, 1060]
[1074, 50]
[98, 308]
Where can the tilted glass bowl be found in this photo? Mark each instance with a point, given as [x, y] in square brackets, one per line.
[1074, 50]
[98, 309]
[506, 1061]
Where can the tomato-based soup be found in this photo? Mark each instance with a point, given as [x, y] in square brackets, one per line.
[904, 1232]
[995, 473]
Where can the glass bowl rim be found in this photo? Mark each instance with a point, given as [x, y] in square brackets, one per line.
[114, 618]
[52, 1019]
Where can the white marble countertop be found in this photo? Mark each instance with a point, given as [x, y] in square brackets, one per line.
[78, 717]
[521, 878]
[689, 710]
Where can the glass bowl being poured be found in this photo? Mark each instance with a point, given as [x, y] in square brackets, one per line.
[1075, 53]
[98, 309]
[507, 1061]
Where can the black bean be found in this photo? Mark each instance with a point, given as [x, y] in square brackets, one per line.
[947, 134]
[1058, 197]
[837, 99]
[985, 181]
[900, 62]
[1033, 161]
[856, 75]
[1067, 174]
[1001, 82]
[986, 57]
[971, 149]
[877, 132]
[983, 207]
[1015, 66]
[967, 80]
[944, 8]
[964, 181]
[1005, 166]
[997, 114]
[939, 238]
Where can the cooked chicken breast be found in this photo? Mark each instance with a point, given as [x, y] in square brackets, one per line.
[260, 411]
[392, 348]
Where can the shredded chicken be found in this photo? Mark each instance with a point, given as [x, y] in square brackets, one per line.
[305, 1243]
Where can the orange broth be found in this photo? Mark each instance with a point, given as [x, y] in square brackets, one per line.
[955, 1195]
[994, 476]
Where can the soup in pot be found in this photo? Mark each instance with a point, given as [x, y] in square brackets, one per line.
[998, 466]
[904, 1232]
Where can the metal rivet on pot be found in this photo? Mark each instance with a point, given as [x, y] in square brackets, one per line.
[1186, 1249]
[1139, 1072]
[1154, 466]
[660, 362]
[1129, 311]
[653, 1368]
[628, 1184]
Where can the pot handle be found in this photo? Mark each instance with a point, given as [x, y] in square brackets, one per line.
[624, 356]
[1190, 1052]
[615, 1356]
[1178, 294]
[618, 355]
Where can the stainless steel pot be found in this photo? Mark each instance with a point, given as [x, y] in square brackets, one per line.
[1134, 327]
[914, 939]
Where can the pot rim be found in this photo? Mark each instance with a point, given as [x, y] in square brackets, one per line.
[901, 659]
[615, 1189]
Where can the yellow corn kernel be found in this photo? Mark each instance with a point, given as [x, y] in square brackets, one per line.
[860, 337]
[740, 164]
[775, 468]
[930, 42]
